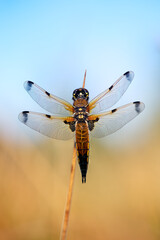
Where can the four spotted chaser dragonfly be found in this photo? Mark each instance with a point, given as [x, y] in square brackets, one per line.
[83, 117]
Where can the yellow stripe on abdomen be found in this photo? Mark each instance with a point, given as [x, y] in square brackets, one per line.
[82, 145]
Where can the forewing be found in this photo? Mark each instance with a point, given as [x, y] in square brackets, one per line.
[48, 101]
[110, 96]
[51, 126]
[109, 122]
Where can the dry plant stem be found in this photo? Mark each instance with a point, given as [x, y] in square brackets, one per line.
[69, 197]
[84, 79]
[70, 190]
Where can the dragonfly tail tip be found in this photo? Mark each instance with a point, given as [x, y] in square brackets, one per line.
[83, 179]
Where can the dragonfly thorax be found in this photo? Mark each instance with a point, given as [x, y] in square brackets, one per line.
[80, 109]
[80, 114]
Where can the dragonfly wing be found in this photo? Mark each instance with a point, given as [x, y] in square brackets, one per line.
[61, 128]
[111, 95]
[109, 122]
[48, 101]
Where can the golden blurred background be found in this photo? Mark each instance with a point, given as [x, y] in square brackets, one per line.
[121, 199]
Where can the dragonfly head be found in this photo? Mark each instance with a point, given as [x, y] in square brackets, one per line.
[80, 93]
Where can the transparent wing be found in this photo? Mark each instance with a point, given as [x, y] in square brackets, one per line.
[109, 122]
[48, 101]
[51, 126]
[111, 95]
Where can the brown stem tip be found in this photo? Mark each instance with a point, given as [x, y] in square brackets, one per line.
[84, 79]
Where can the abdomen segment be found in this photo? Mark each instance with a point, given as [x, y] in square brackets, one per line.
[82, 145]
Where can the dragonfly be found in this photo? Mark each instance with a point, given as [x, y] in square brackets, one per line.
[83, 118]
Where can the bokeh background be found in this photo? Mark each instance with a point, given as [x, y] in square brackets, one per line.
[52, 43]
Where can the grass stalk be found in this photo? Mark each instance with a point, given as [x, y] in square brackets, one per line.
[69, 197]
[84, 80]
[65, 222]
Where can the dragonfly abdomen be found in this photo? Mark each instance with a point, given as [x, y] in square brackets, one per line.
[82, 144]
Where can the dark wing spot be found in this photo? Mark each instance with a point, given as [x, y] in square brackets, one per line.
[24, 112]
[47, 93]
[128, 76]
[48, 116]
[25, 116]
[72, 126]
[137, 108]
[114, 110]
[110, 88]
[137, 102]
[90, 125]
[29, 85]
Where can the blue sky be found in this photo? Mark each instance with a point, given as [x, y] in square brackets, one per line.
[53, 42]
